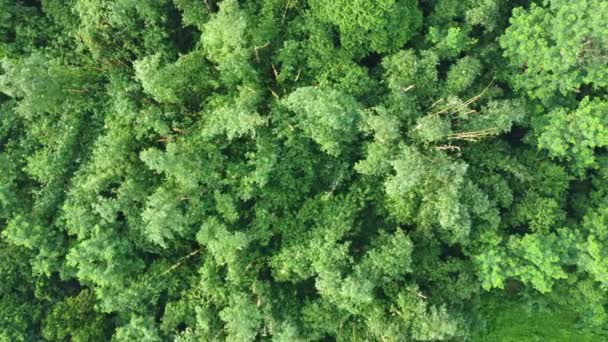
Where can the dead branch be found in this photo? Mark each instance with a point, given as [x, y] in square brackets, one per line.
[208, 6]
[256, 49]
[408, 88]
[178, 263]
[276, 96]
[472, 135]
[466, 103]
[448, 148]
[276, 73]
[285, 11]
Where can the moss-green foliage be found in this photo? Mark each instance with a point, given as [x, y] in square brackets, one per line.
[371, 26]
[565, 39]
[511, 320]
[303, 170]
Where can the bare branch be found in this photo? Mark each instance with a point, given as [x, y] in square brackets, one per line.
[178, 263]
[466, 103]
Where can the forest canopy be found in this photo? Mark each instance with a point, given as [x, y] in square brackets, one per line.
[303, 170]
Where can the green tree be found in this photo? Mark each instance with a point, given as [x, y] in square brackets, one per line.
[371, 26]
[556, 50]
[303, 170]
[329, 117]
[575, 135]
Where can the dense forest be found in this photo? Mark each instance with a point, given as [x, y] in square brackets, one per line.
[303, 170]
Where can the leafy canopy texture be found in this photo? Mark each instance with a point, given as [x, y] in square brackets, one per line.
[303, 170]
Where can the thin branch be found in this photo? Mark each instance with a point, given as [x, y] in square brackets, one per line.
[408, 88]
[298, 75]
[448, 148]
[208, 6]
[178, 263]
[472, 135]
[285, 11]
[276, 96]
[466, 103]
[434, 104]
[257, 48]
[276, 73]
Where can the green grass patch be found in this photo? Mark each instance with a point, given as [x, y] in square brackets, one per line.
[509, 320]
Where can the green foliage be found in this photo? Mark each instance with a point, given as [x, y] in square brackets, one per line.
[593, 247]
[243, 319]
[374, 26]
[75, 318]
[23, 29]
[404, 70]
[19, 309]
[138, 329]
[463, 75]
[186, 81]
[45, 85]
[140, 24]
[194, 12]
[226, 41]
[513, 319]
[414, 194]
[575, 135]
[451, 42]
[329, 117]
[236, 117]
[561, 47]
[303, 170]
